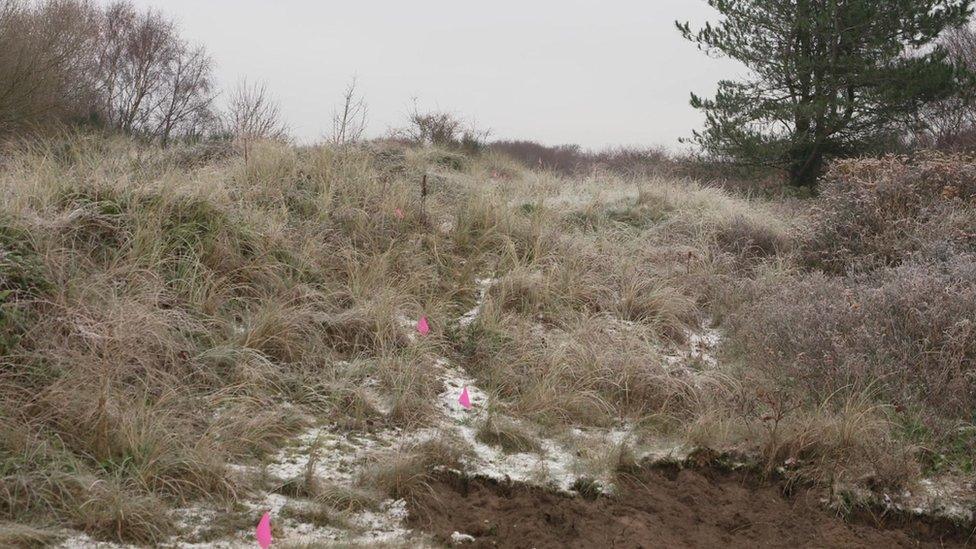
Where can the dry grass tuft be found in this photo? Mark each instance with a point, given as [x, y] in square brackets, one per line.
[317, 514]
[406, 473]
[18, 535]
[508, 435]
[347, 498]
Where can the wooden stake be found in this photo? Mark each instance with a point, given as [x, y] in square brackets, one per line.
[423, 198]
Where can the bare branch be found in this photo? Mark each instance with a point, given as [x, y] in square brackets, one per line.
[349, 124]
[254, 114]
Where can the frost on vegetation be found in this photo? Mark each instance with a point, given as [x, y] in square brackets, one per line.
[340, 456]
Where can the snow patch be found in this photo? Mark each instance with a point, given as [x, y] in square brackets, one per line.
[946, 497]
[702, 346]
[409, 325]
[84, 541]
[340, 456]
[484, 284]
[457, 538]
[704, 343]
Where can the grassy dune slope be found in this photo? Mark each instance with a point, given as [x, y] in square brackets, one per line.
[169, 314]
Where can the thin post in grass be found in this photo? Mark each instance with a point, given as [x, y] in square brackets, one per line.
[101, 443]
[423, 199]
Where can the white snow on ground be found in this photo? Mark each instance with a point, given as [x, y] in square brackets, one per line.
[553, 467]
[409, 325]
[82, 541]
[368, 527]
[702, 346]
[340, 457]
[483, 285]
[943, 497]
[946, 497]
[457, 538]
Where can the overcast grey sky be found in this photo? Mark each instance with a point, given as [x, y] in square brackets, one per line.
[596, 73]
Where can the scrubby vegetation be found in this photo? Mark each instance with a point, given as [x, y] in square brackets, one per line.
[573, 160]
[168, 313]
[198, 317]
[879, 300]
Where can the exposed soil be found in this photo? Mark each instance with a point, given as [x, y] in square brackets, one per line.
[660, 507]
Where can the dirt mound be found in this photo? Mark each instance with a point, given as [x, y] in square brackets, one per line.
[657, 508]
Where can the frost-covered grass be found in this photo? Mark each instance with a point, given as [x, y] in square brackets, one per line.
[187, 341]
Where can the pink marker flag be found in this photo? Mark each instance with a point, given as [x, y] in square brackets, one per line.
[465, 400]
[398, 213]
[264, 531]
[422, 326]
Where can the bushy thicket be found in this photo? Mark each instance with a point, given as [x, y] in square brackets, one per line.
[907, 334]
[877, 213]
[78, 62]
[883, 296]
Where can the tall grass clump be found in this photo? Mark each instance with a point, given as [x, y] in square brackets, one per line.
[161, 319]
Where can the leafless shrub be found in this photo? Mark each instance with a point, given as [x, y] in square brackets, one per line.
[46, 53]
[442, 129]
[72, 60]
[186, 96]
[564, 159]
[135, 53]
[435, 128]
[951, 124]
[349, 123]
[908, 333]
[149, 81]
[253, 114]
